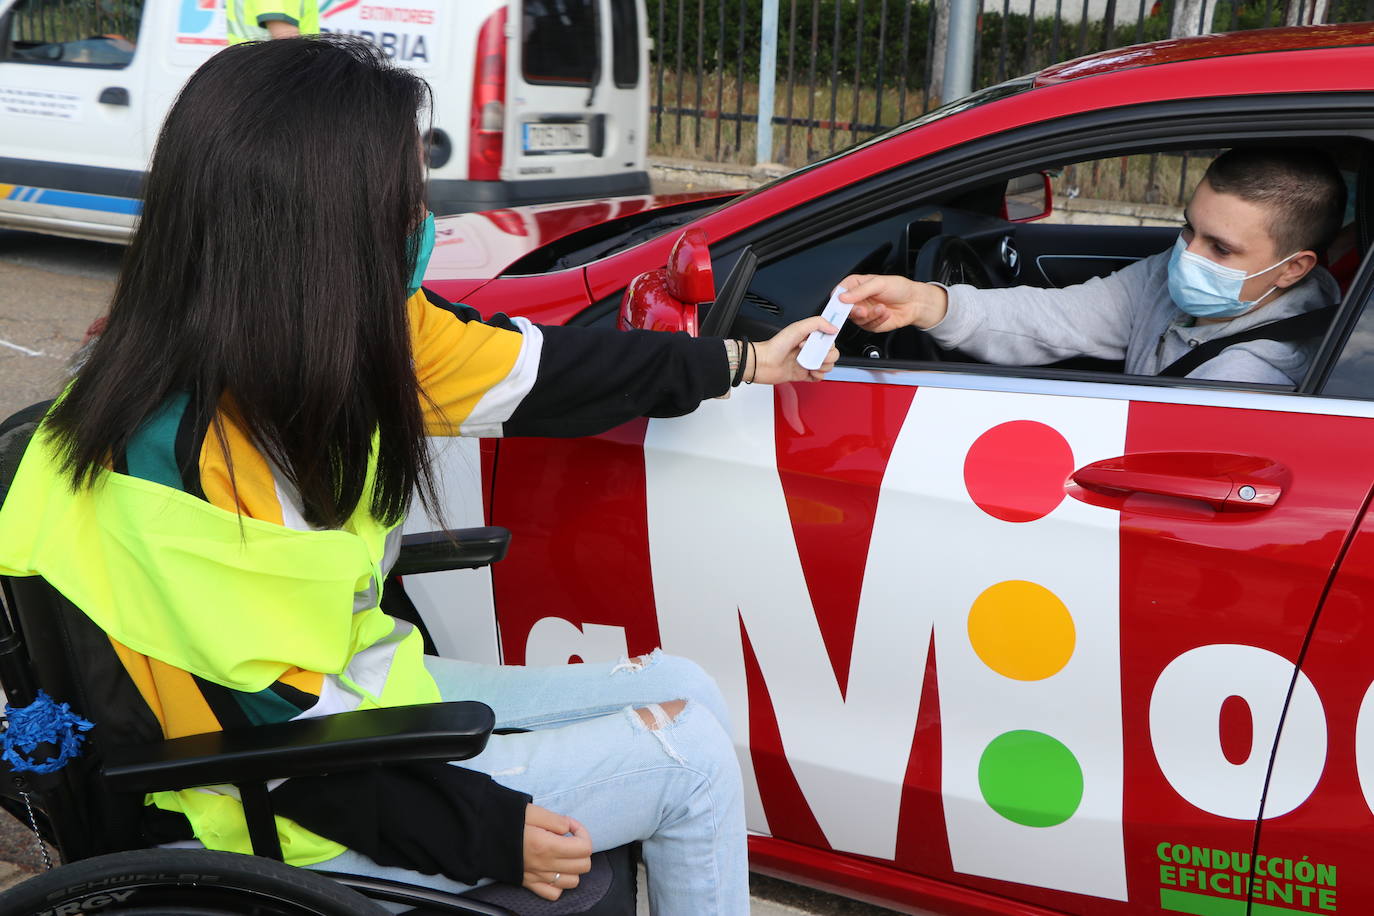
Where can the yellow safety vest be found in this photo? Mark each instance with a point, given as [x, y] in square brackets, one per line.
[237, 601]
[241, 17]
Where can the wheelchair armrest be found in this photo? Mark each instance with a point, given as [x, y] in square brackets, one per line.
[465, 548]
[304, 747]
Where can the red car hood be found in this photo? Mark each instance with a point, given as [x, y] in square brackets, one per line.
[472, 248]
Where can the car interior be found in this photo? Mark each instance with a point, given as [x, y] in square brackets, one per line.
[1053, 226]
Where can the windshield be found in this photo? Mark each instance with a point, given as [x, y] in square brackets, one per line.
[973, 100]
[607, 238]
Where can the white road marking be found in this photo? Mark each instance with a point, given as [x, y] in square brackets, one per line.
[25, 350]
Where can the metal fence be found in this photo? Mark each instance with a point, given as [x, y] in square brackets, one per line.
[847, 69]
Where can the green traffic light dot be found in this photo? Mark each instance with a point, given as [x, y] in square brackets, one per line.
[1030, 778]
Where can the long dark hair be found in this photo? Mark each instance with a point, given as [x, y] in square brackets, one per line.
[267, 276]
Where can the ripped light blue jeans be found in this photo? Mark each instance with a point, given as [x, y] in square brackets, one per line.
[589, 755]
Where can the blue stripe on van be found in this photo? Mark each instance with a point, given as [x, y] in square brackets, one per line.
[74, 199]
[87, 201]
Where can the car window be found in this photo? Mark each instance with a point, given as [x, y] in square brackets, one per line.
[73, 33]
[1353, 374]
[624, 43]
[559, 42]
[1118, 195]
[1105, 215]
[798, 285]
[1147, 189]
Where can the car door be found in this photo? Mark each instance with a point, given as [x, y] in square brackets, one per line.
[939, 658]
[1303, 855]
[988, 633]
[73, 145]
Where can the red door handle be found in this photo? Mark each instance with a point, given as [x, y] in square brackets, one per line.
[1226, 482]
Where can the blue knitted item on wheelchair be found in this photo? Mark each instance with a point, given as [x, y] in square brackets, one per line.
[44, 721]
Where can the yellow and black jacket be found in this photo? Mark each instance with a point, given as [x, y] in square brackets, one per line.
[224, 608]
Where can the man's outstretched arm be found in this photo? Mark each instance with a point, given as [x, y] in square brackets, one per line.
[1021, 326]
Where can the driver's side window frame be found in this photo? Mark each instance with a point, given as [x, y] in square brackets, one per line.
[1097, 141]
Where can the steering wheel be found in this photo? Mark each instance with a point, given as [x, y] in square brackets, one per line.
[947, 260]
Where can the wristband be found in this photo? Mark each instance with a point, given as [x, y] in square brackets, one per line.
[739, 367]
[733, 356]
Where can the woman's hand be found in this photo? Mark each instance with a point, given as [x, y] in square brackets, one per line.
[557, 850]
[774, 361]
[885, 303]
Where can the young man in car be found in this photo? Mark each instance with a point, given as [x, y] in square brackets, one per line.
[1247, 257]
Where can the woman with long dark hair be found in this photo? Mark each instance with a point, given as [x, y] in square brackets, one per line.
[220, 489]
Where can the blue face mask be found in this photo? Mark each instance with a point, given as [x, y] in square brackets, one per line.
[421, 242]
[1205, 289]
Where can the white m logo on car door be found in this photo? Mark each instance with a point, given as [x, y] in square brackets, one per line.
[974, 541]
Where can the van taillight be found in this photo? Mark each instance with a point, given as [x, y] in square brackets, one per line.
[488, 119]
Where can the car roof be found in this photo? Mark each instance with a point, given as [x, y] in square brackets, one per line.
[1199, 47]
[1196, 67]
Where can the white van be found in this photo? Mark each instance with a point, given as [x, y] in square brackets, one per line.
[534, 100]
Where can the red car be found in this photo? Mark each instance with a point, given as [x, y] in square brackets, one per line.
[998, 640]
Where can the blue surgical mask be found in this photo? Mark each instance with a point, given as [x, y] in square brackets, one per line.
[422, 243]
[1205, 289]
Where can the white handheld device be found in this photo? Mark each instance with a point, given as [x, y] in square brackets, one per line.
[818, 345]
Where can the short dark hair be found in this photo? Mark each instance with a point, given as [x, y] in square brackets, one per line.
[1302, 189]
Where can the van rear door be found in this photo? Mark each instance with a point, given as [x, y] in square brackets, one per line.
[578, 100]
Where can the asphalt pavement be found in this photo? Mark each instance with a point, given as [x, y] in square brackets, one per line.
[51, 289]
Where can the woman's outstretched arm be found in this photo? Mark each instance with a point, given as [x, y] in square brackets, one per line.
[510, 377]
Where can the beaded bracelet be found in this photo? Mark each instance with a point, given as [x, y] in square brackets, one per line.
[739, 369]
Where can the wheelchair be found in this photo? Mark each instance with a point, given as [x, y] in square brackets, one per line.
[90, 810]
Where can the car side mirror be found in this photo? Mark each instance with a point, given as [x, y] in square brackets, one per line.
[649, 306]
[689, 269]
[667, 299]
[1028, 198]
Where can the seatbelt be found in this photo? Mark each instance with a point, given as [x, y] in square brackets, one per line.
[1295, 327]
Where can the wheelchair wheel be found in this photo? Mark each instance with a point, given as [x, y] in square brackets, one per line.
[183, 882]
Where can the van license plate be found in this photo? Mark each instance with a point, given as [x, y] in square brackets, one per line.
[556, 138]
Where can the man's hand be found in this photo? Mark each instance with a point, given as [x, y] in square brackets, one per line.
[774, 361]
[557, 850]
[885, 303]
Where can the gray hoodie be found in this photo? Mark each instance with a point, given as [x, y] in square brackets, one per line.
[1128, 315]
